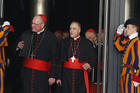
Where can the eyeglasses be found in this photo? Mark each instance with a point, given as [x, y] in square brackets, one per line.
[36, 23]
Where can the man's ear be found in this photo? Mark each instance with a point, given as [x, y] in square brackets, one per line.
[79, 30]
[42, 25]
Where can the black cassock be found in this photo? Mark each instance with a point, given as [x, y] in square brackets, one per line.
[73, 79]
[41, 47]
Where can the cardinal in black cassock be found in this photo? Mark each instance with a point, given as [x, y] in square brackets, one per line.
[38, 48]
[77, 56]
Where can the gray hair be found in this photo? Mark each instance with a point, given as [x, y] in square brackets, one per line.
[79, 25]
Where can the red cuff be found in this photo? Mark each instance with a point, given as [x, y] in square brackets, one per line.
[11, 28]
[136, 79]
[119, 35]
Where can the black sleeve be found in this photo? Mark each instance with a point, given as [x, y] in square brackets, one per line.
[53, 55]
[62, 55]
[92, 54]
[58, 62]
[16, 49]
[26, 37]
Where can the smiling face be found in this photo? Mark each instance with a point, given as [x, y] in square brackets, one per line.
[37, 24]
[75, 30]
[130, 29]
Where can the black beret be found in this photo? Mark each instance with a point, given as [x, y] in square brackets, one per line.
[132, 21]
[1, 21]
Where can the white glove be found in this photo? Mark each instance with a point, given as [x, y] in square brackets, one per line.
[135, 83]
[6, 23]
[120, 29]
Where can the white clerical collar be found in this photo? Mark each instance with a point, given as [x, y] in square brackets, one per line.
[40, 31]
[134, 35]
[76, 38]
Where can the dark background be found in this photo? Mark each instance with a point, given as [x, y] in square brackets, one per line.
[61, 14]
[18, 12]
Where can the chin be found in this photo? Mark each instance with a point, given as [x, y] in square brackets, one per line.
[72, 36]
[33, 31]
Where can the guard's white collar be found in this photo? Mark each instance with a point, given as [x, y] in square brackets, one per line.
[134, 35]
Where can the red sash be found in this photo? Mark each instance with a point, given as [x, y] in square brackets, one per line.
[77, 65]
[37, 64]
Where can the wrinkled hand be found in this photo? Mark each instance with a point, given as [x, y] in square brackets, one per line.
[120, 29]
[51, 81]
[20, 44]
[135, 83]
[86, 66]
[59, 82]
[5, 23]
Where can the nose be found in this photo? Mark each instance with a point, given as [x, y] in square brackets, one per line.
[71, 30]
[33, 24]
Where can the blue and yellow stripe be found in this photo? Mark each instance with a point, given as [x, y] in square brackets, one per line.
[3, 43]
[131, 57]
[120, 42]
